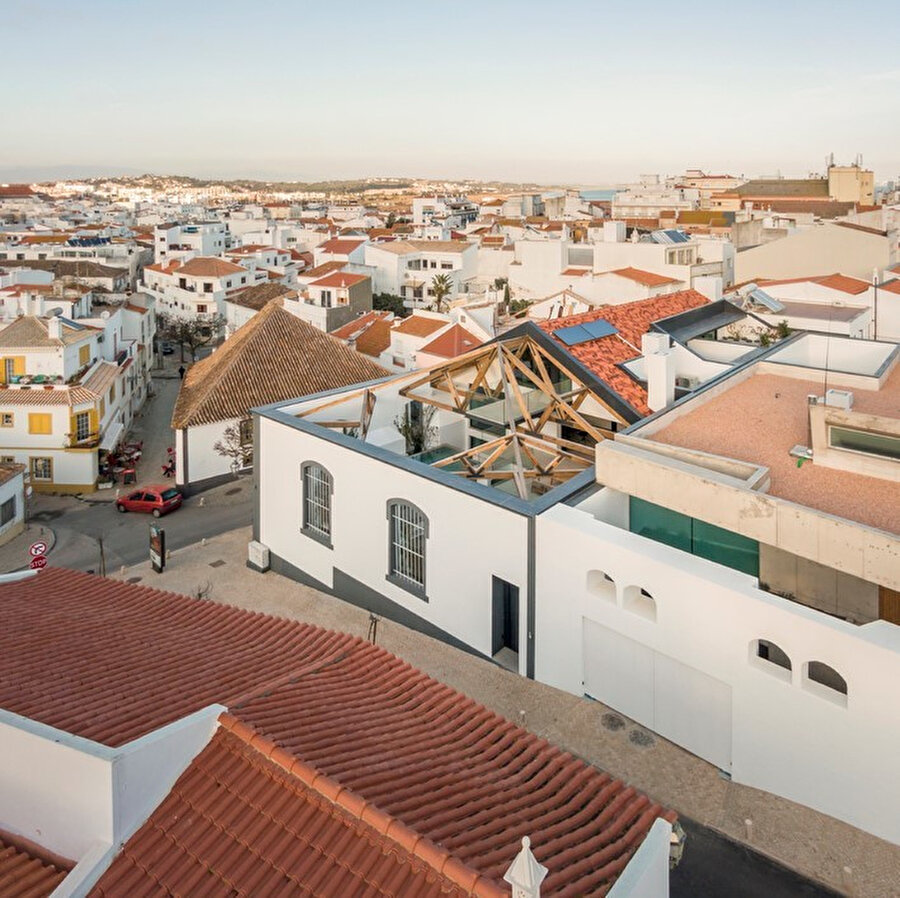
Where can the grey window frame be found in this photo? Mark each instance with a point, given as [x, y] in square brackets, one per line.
[307, 529]
[405, 582]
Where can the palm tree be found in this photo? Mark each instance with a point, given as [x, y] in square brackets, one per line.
[441, 285]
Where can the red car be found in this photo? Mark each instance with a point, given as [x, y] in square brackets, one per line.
[157, 500]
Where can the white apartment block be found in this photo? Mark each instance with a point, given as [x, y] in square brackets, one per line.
[198, 286]
[69, 391]
[649, 198]
[406, 267]
[176, 241]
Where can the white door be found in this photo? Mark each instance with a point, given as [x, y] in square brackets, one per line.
[673, 699]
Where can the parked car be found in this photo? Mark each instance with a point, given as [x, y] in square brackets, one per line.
[166, 348]
[156, 500]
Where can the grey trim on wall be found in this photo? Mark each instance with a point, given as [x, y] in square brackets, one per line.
[530, 599]
[351, 590]
[256, 475]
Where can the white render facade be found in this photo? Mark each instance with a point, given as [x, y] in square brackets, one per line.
[668, 638]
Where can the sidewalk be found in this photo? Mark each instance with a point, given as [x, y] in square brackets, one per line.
[14, 555]
[811, 843]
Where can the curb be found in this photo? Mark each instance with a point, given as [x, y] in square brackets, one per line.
[49, 537]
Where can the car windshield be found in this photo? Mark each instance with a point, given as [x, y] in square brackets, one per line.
[169, 494]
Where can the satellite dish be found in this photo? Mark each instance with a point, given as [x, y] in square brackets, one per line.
[104, 314]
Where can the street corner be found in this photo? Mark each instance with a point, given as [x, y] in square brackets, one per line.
[28, 549]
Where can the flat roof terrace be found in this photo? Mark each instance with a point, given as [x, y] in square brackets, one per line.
[760, 419]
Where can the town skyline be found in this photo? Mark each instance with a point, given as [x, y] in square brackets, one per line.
[516, 94]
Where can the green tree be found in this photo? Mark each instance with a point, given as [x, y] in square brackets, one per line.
[441, 286]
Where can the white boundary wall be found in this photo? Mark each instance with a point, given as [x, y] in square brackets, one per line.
[790, 736]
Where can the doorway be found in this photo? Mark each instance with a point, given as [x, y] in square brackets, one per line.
[505, 598]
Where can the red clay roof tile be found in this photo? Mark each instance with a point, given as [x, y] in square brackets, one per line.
[25, 872]
[111, 661]
[632, 320]
[452, 342]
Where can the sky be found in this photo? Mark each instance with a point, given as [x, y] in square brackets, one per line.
[590, 93]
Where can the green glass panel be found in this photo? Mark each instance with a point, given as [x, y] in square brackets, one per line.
[727, 548]
[881, 444]
[660, 524]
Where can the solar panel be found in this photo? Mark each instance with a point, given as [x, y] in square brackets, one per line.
[584, 333]
[572, 336]
[600, 328]
[760, 297]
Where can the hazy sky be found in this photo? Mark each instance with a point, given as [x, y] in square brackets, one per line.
[592, 92]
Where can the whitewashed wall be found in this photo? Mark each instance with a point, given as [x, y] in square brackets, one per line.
[789, 736]
[469, 539]
[203, 461]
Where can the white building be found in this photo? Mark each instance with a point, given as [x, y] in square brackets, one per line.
[198, 286]
[407, 267]
[70, 389]
[176, 241]
[705, 580]
[12, 501]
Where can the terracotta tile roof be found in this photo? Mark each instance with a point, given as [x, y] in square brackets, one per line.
[369, 334]
[111, 661]
[152, 677]
[38, 396]
[78, 268]
[30, 332]
[452, 342]
[102, 378]
[7, 472]
[241, 823]
[402, 247]
[32, 239]
[339, 246]
[647, 278]
[576, 272]
[632, 320]
[419, 325]
[133, 308]
[858, 227]
[258, 296]
[340, 279]
[782, 187]
[273, 357]
[851, 285]
[9, 191]
[169, 267]
[325, 268]
[210, 266]
[25, 872]
[891, 286]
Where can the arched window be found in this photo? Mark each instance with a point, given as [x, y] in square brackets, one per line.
[772, 653]
[600, 584]
[407, 538]
[639, 602]
[317, 490]
[825, 680]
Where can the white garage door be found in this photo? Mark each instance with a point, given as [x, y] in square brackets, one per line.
[672, 699]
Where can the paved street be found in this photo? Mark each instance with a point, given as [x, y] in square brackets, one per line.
[714, 865]
[80, 524]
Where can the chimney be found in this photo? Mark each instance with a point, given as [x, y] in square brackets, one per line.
[54, 328]
[613, 231]
[659, 363]
[710, 286]
[525, 874]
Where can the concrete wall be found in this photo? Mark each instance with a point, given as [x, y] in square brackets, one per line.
[789, 735]
[70, 795]
[705, 493]
[817, 585]
[14, 488]
[647, 873]
[469, 540]
[819, 250]
[195, 444]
